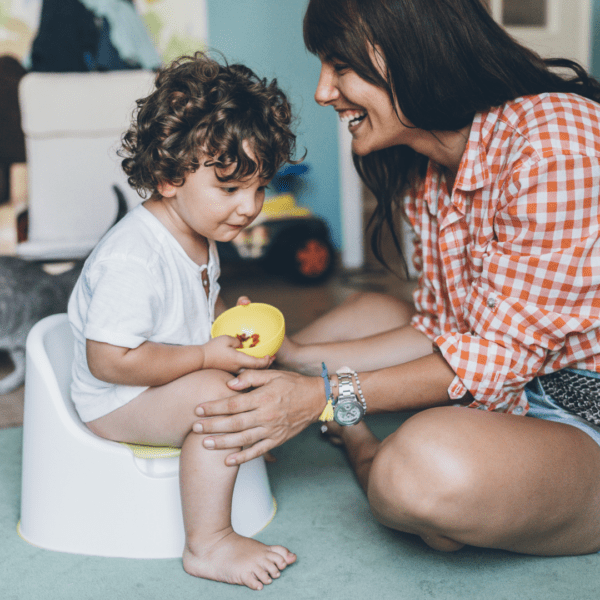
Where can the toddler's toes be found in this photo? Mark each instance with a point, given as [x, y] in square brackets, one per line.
[252, 581]
[278, 560]
[262, 575]
[288, 557]
[271, 565]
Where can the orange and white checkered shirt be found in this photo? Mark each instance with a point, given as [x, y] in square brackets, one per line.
[509, 264]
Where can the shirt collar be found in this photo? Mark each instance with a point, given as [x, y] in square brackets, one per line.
[473, 172]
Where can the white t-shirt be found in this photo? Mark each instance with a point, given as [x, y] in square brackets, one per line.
[138, 284]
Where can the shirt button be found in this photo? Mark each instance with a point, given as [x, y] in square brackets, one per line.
[518, 410]
[491, 302]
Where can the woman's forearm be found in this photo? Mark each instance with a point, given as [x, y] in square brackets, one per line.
[415, 385]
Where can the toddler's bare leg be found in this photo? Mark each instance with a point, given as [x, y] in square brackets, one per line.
[213, 550]
[165, 415]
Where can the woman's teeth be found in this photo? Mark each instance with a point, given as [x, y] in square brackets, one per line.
[353, 118]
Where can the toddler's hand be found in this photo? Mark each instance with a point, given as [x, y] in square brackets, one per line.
[221, 353]
[242, 301]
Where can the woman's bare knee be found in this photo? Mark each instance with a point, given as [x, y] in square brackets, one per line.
[417, 483]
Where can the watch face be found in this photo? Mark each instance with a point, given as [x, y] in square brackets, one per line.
[348, 412]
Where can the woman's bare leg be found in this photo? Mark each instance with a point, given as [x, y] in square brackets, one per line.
[367, 331]
[164, 416]
[360, 446]
[360, 315]
[458, 476]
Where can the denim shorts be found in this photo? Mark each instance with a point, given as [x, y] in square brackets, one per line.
[541, 406]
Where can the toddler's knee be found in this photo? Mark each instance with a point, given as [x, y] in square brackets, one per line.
[210, 384]
[418, 478]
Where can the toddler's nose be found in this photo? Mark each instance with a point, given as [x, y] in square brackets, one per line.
[247, 206]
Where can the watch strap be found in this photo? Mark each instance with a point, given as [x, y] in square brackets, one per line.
[345, 385]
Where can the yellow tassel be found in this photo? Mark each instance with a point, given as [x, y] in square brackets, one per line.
[327, 414]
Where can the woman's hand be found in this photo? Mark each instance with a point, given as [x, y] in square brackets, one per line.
[282, 405]
[221, 353]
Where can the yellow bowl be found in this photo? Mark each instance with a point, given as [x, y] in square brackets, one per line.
[256, 317]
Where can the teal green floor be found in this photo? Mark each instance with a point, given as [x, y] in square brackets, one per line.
[324, 518]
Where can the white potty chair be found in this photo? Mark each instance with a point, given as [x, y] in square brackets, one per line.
[87, 495]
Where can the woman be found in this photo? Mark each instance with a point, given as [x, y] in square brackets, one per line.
[495, 160]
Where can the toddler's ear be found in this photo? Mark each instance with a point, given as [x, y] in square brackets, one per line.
[166, 189]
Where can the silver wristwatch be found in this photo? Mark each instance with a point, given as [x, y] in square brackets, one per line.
[347, 410]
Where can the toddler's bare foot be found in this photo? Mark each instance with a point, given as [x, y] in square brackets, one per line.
[235, 559]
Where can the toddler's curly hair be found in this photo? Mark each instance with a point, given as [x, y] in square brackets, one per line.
[204, 110]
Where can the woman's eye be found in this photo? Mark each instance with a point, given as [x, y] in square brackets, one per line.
[340, 67]
[230, 190]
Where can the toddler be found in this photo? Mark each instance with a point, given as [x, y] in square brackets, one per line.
[202, 147]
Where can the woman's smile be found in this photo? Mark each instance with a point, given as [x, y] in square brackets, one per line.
[352, 117]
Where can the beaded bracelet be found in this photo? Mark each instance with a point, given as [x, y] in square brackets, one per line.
[360, 392]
